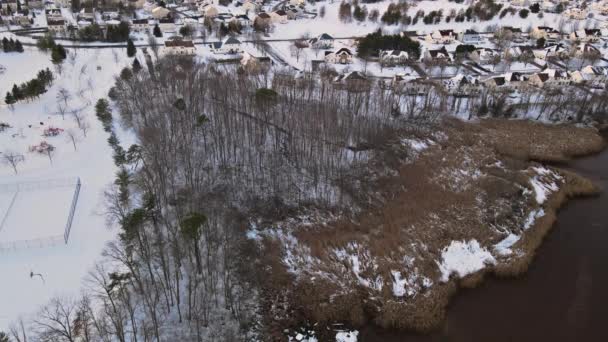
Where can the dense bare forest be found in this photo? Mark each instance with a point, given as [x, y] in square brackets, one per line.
[220, 150]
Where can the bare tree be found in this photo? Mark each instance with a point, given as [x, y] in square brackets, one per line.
[55, 321]
[63, 95]
[13, 159]
[72, 136]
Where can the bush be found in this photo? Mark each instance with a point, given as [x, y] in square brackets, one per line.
[535, 8]
[523, 13]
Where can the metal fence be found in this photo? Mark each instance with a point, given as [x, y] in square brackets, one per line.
[6, 246]
[68, 224]
[9, 246]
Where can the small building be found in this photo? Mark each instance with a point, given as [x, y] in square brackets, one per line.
[140, 25]
[6, 4]
[179, 47]
[437, 55]
[441, 37]
[324, 41]
[56, 25]
[586, 35]
[471, 37]
[263, 19]
[549, 34]
[393, 57]
[229, 46]
[160, 12]
[87, 13]
[342, 56]
[167, 24]
[279, 16]
[484, 55]
[208, 11]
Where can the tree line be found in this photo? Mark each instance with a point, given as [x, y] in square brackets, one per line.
[10, 45]
[30, 89]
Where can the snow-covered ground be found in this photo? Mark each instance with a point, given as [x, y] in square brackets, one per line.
[87, 75]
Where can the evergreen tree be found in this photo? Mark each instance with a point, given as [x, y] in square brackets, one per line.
[58, 54]
[136, 66]
[360, 13]
[18, 46]
[5, 44]
[17, 94]
[75, 6]
[9, 98]
[131, 50]
[157, 32]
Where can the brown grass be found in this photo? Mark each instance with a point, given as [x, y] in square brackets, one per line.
[462, 209]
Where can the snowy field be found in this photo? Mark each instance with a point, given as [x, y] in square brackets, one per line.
[87, 75]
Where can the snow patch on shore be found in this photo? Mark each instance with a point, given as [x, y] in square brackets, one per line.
[543, 187]
[347, 336]
[504, 246]
[463, 258]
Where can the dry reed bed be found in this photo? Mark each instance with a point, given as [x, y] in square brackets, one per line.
[464, 187]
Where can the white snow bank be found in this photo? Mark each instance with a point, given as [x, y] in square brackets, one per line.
[347, 336]
[418, 145]
[463, 258]
[504, 246]
[532, 216]
[543, 189]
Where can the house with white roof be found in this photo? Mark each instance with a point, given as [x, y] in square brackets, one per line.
[229, 46]
[441, 37]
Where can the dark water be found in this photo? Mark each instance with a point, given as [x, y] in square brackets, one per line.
[562, 297]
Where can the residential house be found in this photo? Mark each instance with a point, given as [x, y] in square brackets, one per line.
[6, 4]
[393, 57]
[515, 33]
[549, 78]
[297, 2]
[462, 85]
[167, 24]
[484, 55]
[279, 16]
[438, 55]
[470, 37]
[248, 6]
[137, 4]
[354, 81]
[592, 75]
[229, 46]
[140, 25]
[179, 47]
[587, 51]
[262, 20]
[586, 35]
[575, 13]
[509, 81]
[549, 34]
[255, 65]
[342, 56]
[441, 37]
[56, 25]
[243, 20]
[411, 85]
[110, 13]
[53, 13]
[324, 41]
[87, 13]
[208, 10]
[160, 12]
[556, 51]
